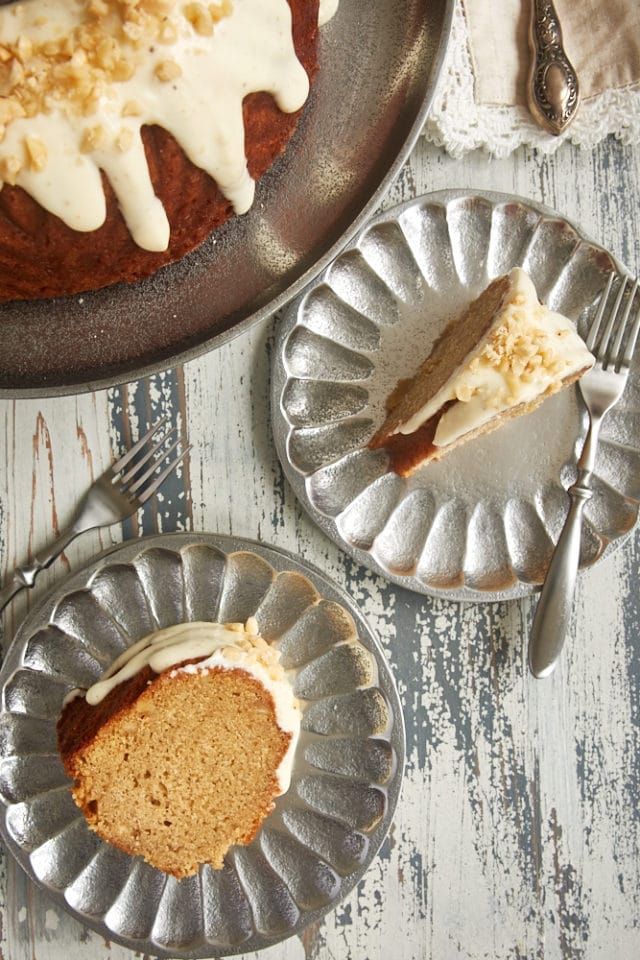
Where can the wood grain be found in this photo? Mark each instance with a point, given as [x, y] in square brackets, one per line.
[518, 830]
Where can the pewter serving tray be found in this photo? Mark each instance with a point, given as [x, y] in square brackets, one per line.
[482, 523]
[379, 65]
[323, 833]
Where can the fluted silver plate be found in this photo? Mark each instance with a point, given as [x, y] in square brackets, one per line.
[481, 524]
[323, 833]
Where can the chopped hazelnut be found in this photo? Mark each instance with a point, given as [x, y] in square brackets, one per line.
[131, 109]
[98, 8]
[24, 48]
[93, 138]
[107, 47]
[123, 70]
[221, 9]
[167, 32]
[199, 18]
[124, 140]
[36, 152]
[168, 70]
[10, 167]
[16, 73]
[10, 110]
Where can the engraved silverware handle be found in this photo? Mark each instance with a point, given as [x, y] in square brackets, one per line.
[25, 576]
[553, 613]
[553, 90]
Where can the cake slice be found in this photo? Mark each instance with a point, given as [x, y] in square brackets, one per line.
[501, 358]
[179, 751]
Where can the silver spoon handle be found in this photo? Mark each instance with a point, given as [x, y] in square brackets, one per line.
[553, 90]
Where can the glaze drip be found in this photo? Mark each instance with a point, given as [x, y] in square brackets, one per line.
[80, 78]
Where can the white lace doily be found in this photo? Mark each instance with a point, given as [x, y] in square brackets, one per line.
[458, 123]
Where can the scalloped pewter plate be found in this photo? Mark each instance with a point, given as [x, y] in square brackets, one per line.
[324, 832]
[481, 524]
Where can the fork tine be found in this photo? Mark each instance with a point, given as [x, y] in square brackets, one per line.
[150, 471]
[151, 489]
[614, 350]
[633, 336]
[595, 325]
[128, 456]
[136, 467]
[604, 350]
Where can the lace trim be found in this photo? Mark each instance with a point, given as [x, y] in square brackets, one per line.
[458, 123]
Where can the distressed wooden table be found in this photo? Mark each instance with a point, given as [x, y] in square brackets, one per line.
[518, 830]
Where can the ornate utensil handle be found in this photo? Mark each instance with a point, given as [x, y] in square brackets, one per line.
[553, 90]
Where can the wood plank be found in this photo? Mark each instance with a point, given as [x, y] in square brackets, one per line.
[517, 833]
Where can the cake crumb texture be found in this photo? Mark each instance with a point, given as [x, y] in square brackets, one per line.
[176, 768]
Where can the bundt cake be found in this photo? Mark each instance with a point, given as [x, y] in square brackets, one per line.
[501, 358]
[178, 752]
[130, 129]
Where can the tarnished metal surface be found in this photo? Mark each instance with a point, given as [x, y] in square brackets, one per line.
[482, 523]
[324, 832]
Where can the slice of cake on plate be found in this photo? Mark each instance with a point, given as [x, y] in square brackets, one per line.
[499, 359]
[179, 751]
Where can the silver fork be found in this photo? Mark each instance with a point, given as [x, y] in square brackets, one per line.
[116, 495]
[601, 389]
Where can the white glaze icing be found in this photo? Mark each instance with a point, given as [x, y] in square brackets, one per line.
[487, 385]
[327, 10]
[250, 49]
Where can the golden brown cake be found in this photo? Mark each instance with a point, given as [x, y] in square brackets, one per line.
[500, 359]
[178, 753]
[129, 131]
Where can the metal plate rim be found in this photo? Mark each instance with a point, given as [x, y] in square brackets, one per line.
[280, 560]
[279, 379]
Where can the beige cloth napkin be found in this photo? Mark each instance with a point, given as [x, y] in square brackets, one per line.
[601, 39]
[484, 81]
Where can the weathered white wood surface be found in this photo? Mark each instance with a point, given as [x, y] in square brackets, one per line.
[518, 830]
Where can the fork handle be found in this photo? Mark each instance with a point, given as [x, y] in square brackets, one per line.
[25, 576]
[553, 613]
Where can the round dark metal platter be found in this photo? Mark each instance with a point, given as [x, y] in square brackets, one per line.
[378, 72]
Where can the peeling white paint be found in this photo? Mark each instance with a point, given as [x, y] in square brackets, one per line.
[518, 829]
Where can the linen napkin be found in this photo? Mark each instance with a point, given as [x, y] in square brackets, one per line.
[481, 97]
